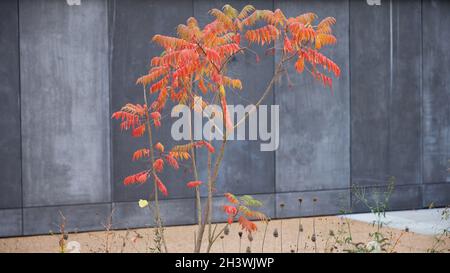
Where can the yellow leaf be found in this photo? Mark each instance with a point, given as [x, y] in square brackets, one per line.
[143, 203]
[222, 90]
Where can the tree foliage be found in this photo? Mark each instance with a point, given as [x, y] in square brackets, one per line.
[194, 63]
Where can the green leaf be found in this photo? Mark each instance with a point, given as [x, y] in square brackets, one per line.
[248, 200]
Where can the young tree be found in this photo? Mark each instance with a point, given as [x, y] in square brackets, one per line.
[194, 64]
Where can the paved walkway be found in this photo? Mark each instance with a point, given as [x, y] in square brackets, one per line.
[425, 221]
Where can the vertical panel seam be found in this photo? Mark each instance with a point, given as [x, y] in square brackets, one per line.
[421, 176]
[111, 11]
[274, 152]
[20, 115]
[391, 83]
[350, 108]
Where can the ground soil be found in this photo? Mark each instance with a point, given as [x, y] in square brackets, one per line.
[329, 232]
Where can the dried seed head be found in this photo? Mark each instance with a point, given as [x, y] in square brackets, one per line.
[61, 243]
[66, 236]
[240, 234]
[221, 236]
[275, 233]
[282, 205]
[331, 233]
[250, 237]
[406, 229]
[248, 250]
[292, 251]
[315, 199]
[313, 237]
[226, 230]
[300, 200]
[300, 228]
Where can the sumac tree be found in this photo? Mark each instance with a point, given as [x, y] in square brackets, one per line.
[194, 64]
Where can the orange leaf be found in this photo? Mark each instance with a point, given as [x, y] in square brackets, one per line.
[141, 153]
[158, 165]
[247, 225]
[193, 184]
[138, 131]
[231, 198]
[172, 161]
[159, 147]
[162, 188]
[136, 178]
[300, 65]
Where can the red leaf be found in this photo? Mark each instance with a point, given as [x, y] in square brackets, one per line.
[209, 146]
[172, 161]
[287, 45]
[162, 188]
[136, 178]
[230, 210]
[193, 184]
[158, 165]
[228, 123]
[138, 131]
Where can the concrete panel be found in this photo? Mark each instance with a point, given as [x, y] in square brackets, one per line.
[436, 91]
[173, 212]
[46, 220]
[385, 92]
[10, 222]
[403, 197]
[315, 122]
[327, 202]
[245, 168]
[405, 139]
[437, 195]
[10, 170]
[65, 102]
[133, 24]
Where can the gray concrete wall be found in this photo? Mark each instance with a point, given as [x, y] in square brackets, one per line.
[64, 69]
[10, 140]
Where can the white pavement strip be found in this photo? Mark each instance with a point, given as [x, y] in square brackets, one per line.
[425, 221]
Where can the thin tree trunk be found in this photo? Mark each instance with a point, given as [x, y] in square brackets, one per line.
[218, 162]
[152, 160]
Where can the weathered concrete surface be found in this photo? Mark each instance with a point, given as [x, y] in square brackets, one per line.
[133, 25]
[427, 221]
[46, 220]
[245, 168]
[314, 122]
[173, 212]
[385, 92]
[405, 140]
[10, 222]
[65, 117]
[327, 203]
[10, 157]
[402, 197]
[436, 91]
[436, 195]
